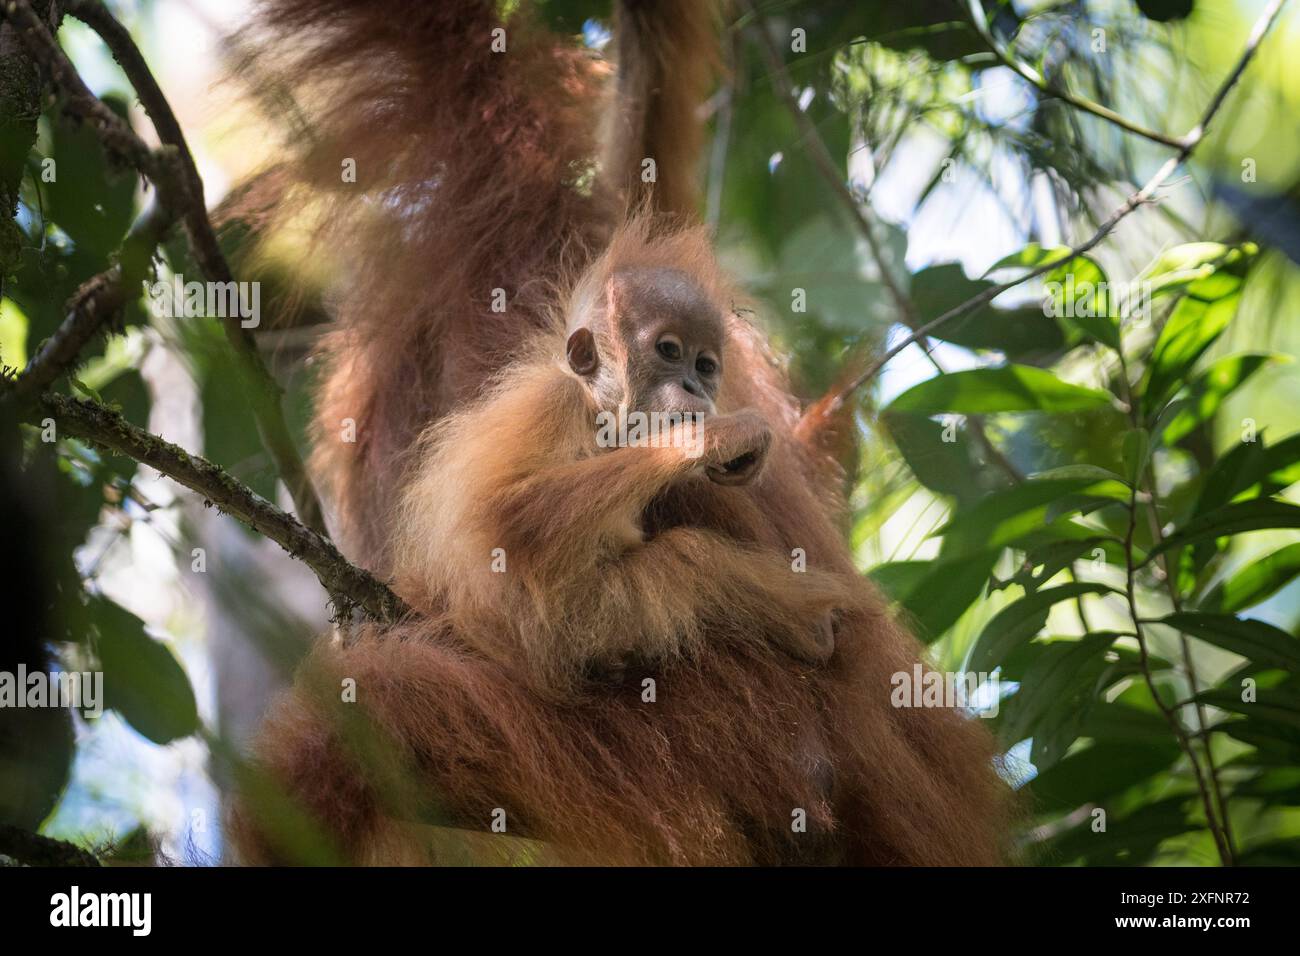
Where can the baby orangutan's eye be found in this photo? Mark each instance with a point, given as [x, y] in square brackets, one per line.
[670, 348]
[705, 365]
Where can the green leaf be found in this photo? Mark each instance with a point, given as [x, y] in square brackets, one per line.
[1128, 840]
[1208, 391]
[1253, 640]
[1185, 267]
[1254, 515]
[1017, 623]
[1031, 257]
[946, 467]
[1116, 721]
[1011, 388]
[1007, 516]
[1188, 260]
[1136, 452]
[1045, 561]
[1082, 504]
[143, 681]
[1017, 333]
[946, 592]
[1256, 582]
[1080, 294]
[1191, 329]
[1104, 769]
[1186, 257]
[1285, 852]
[828, 263]
[1076, 286]
[1274, 740]
[79, 386]
[90, 198]
[1093, 472]
[899, 578]
[1246, 466]
[1056, 676]
[1278, 705]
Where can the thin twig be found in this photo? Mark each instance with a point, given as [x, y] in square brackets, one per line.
[1169, 568]
[1152, 503]
[1139, 198]
[266, 392]
[1212, 818]
[1036, 79]
[346, 584]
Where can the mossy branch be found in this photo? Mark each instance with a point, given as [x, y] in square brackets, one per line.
[347, 585]
[172, 170]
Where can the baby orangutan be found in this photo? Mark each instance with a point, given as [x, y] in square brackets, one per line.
[539, 542]
[525, 531]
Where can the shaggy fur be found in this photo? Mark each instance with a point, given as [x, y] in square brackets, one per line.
[710, 773]
[477, 163]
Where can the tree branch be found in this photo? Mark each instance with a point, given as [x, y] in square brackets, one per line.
[1139, 198]
[1036, 79]
[1171, 718]
[180, 192]
[114, 132]
[346, 584]
[20, 108]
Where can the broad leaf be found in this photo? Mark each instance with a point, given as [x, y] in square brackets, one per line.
[143, 681]
[1102, 770]
[1017, 333]
[1246, 466]
[1058, 673]
[1007, 516]
[1254, 515]
[947, 467]
[1082, 297]
[1256, 582]
[1011, 388]
[1017, 623]
[1128, 840]
[1208, 391]
[946, 592]
[1191, 329]
[1255, 640]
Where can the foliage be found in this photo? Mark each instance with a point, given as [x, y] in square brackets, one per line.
[1109, 480]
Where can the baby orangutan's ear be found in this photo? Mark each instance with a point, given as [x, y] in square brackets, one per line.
[581, 352]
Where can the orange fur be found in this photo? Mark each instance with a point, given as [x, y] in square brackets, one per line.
[710, 773]
[575, 582]
[472, 704]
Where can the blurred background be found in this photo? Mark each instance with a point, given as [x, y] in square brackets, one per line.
[960, 163]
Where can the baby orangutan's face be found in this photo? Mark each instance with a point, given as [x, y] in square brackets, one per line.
[662, 344]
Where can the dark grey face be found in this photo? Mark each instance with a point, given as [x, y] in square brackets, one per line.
[673, 336]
